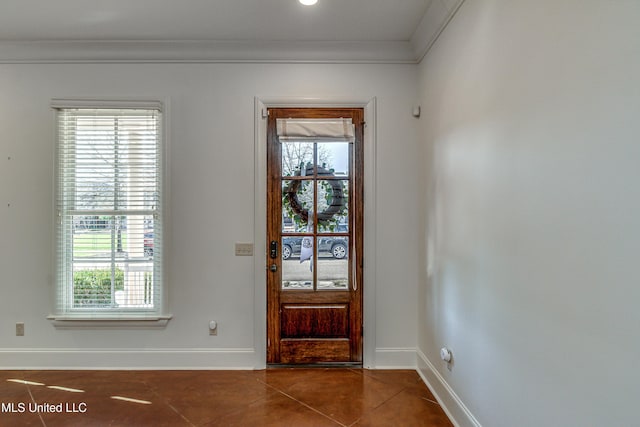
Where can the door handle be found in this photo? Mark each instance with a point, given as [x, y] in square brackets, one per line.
[273, 268]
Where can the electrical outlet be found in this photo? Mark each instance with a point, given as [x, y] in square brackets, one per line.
[20, 329]
[213, 327]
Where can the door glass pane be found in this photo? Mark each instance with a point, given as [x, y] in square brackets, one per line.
[333, 263]
[297, 261]
[297, 201]
[333, 206]
[296, 157]
[333, 158]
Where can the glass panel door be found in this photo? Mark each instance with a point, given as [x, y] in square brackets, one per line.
[314, 230]
[315, 215]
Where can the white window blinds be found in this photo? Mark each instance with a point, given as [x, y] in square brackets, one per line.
[321, 130]
[109, 207]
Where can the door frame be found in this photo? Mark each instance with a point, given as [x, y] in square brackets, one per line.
[260, 216]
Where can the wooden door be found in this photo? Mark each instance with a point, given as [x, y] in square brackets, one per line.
[314, 235]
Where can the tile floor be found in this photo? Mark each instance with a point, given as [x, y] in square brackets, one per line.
[275, 397]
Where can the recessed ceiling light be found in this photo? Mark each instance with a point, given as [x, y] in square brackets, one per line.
[308, 2]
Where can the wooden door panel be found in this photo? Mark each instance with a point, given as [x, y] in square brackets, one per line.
[315, 321]
[325, 297]
[314, 351]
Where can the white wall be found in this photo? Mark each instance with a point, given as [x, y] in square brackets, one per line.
[531, 129]
[211, 135]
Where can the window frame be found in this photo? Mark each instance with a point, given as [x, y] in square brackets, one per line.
[64, 314]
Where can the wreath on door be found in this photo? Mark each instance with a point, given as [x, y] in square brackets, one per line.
[335, 196]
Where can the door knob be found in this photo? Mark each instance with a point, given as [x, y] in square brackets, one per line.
[273, 268]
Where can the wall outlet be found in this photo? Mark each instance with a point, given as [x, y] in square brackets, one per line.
[20, 329]
[213, 327]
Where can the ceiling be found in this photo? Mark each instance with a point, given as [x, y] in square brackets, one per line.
[397, 29]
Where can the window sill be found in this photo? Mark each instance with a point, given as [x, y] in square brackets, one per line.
[120, 322]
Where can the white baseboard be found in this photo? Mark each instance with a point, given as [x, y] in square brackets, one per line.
[395, 358]
[455, 409]
[159, 358]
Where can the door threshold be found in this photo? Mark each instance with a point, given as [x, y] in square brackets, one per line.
[344, 365]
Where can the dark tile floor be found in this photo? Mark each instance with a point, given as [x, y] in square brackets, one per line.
[275, 397]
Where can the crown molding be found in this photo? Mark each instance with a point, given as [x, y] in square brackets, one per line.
[196, 51]
[435, 19]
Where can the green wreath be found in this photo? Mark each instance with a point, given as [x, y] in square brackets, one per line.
[336, 204]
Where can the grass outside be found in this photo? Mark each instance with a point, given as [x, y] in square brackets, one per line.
[95, 241]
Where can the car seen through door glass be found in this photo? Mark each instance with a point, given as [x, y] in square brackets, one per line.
[336, 247]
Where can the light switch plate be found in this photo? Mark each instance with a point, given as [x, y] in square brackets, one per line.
[244, 249]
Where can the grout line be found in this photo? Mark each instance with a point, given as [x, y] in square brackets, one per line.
[374, 408]
[404, 388]
[303, 404]
[390, 397]
[181, 416]
[429, 400]
[166, 401]
[33, 399]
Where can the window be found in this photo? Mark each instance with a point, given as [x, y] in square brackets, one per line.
[109, 211]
